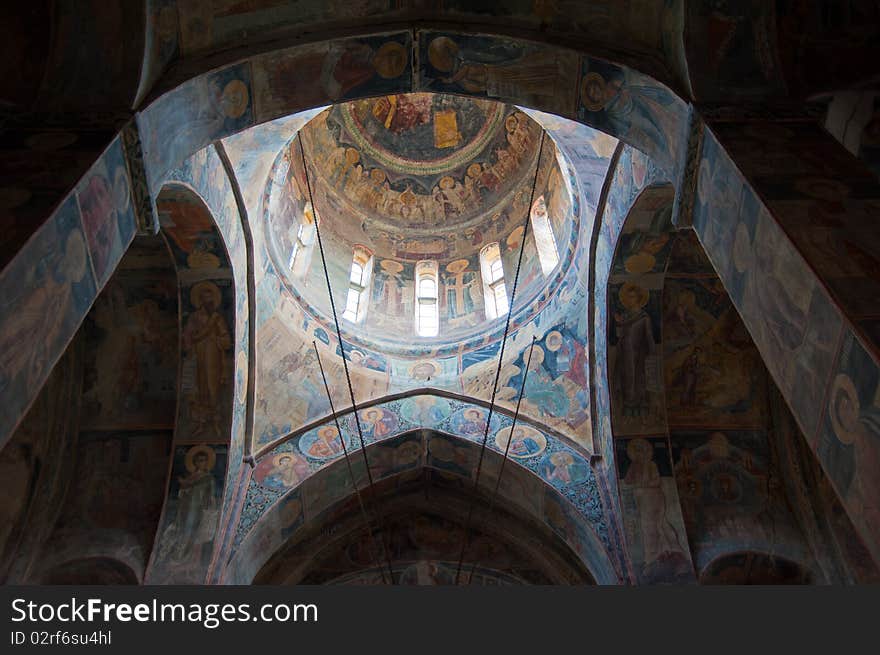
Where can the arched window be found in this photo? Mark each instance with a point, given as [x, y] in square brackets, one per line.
[545, 241]
[427, 306]
[494, 288]
[358, 285]
[303, 243]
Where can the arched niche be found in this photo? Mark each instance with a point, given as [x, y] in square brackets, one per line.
[88, 463]
[269, 520]
[203, 423]
[90, 571]
[755, 568]
[696, 416]
[422, 529]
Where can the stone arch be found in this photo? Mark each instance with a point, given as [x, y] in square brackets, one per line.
[206, 393]
[755, 568]
[423, 516]
[613, 98]
[569, 503]
[90, 571]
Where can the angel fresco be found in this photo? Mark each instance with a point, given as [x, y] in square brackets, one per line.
[507, 71]
[612, 103]
[540, 389]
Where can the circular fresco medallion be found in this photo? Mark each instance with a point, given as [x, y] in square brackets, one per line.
[527, 441]
[323, 443]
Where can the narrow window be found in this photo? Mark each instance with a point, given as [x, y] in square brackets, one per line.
[494, 288]
[545, 241]
[358, 285]
[427, 314]
[303, 243]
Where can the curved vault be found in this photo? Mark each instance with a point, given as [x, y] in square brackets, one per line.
[290, 490]
[424, 513]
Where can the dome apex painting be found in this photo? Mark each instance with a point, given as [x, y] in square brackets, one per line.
[421, 161]
[420, 182]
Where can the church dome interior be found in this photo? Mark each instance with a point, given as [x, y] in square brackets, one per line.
[422, 200]
[292, 292]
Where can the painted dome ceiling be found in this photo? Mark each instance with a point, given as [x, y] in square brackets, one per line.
[414, 178]
[424, 163]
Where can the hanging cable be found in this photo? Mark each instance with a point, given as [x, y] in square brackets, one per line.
[354, 484]
[500, 361]
[494, 496]
[344, 360]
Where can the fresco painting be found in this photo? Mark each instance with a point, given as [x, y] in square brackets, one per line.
[196, 234]
[105, 201]
[324, 443]
[319, 74]
[658, 543]
[405, 454]
[425, 411]
[635, 359]
[380, 179]
[849, 437]
[202, 227]
[713, 372]
[785, 217]
[187, 119]
[825, 210]
[131, 335]
[635, 291]
[376, 423]
[282, 471]
[206, 374]
[556, 381]
[523, 441]
[532, 75]
[790, 316]
[633, 174]
[634, 108]
[732, 496]
[43, 301]
[191, 514]
[385, 358]
[564, 469]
